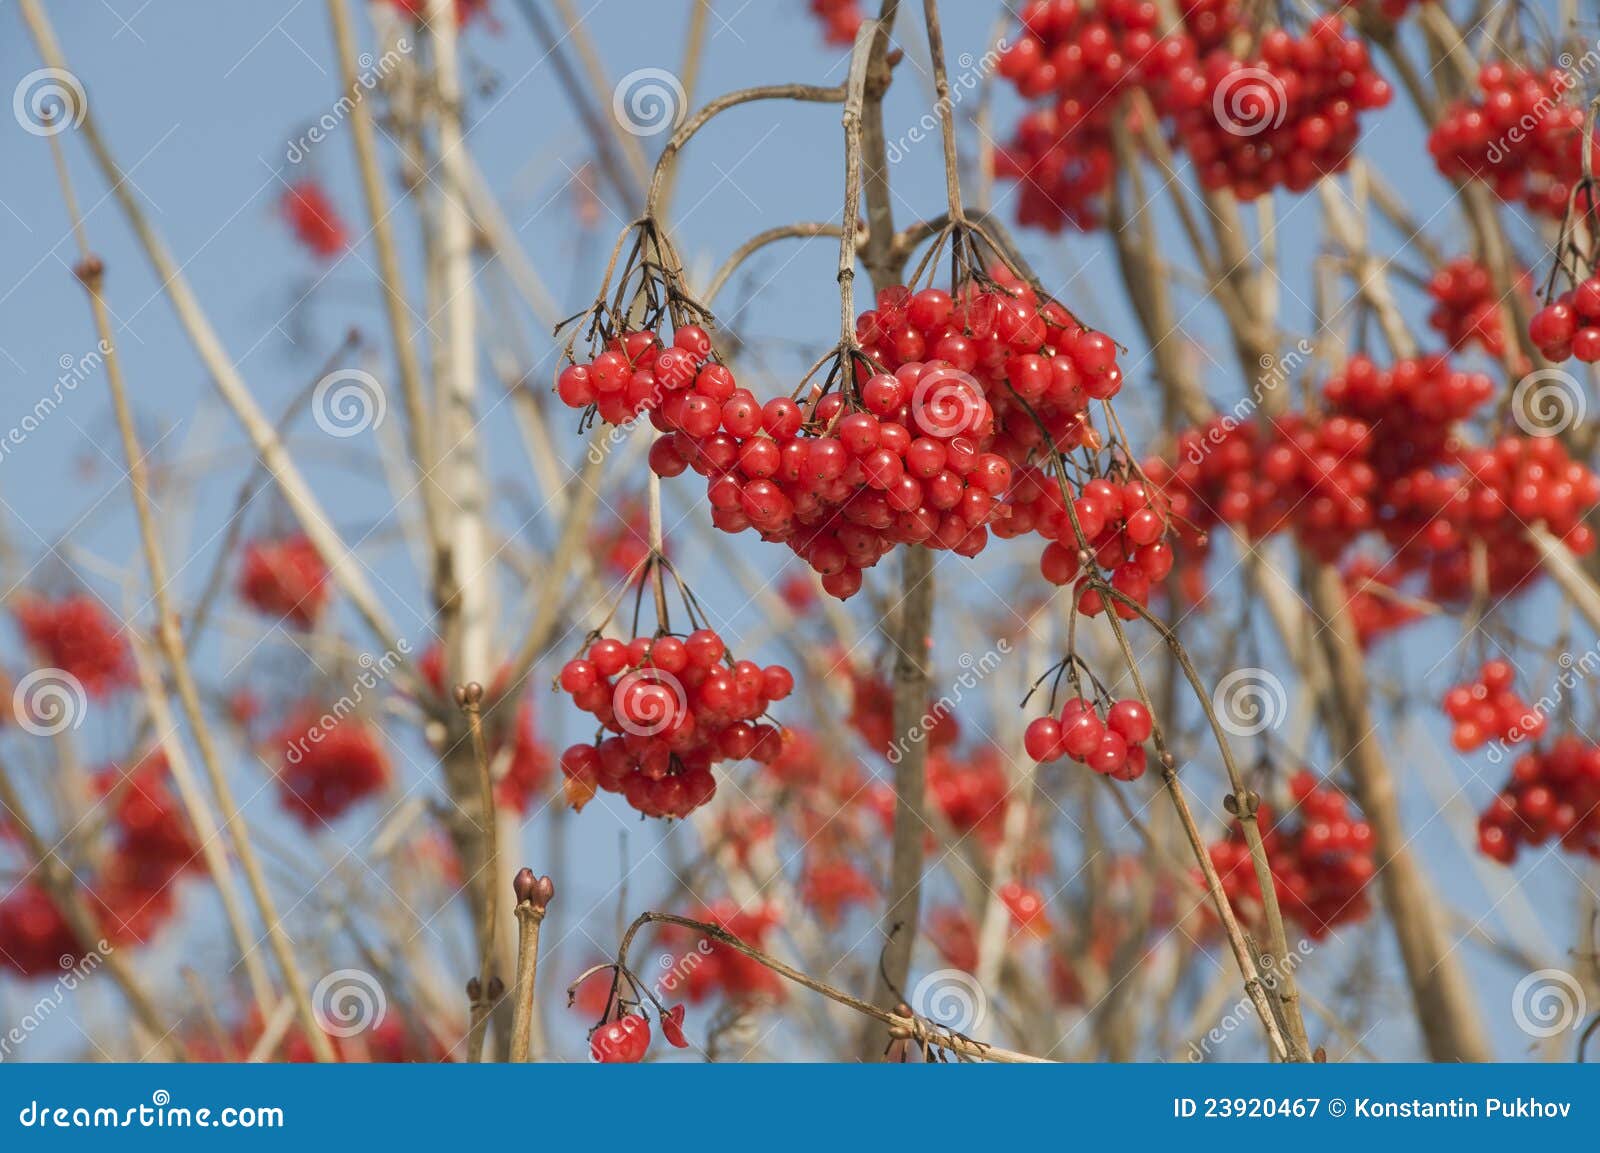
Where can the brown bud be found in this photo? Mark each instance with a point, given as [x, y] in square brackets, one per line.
[522, 884]
[474, 990]
[91, 269]
[497, 988]
[1168, 761]
[544, 891]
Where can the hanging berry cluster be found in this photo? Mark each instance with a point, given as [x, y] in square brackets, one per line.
[1521, 133]
[676, 707]
[1283, 118]
[1552, 793]
[1124, 524]
[632, 370]
[1467, 309]
[854, 470]
[1320, 856]
[1387, 454]
[1107, 735]
[1487, 708]
[1036, 366]
[75, 634]
[132, 890]
[328, 763]
[285, 579]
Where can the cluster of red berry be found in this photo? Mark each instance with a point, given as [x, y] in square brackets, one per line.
[840, 20]
[1311, 476]
[1124, 523]
[1490, 495]
[831, 885]
[314, 219]
[678, 706]
[1036, 367]
[636, 373]
[1569, 325]
[133, 890]
[970, 792]
[285, 579]
[1487, 709]
[1320, 864]
[1387, 455]
[1552, 792]
[841, 482]
[327, 764]
[36, 933]
[76, 635]
[1375, 606]
[1077, 60]
[1412, 407]
[1282, 119]
[1466, 309]
[1519, 133]
[872, 714]
[1113, 746]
